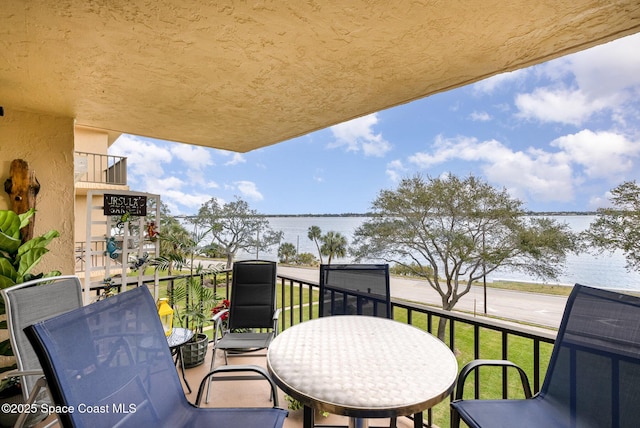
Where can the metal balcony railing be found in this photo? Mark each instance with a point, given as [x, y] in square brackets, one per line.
[96, 168]
[467, 336]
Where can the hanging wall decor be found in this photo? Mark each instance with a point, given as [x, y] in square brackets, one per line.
[22, 187]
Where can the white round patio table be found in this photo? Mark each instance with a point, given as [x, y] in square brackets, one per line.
[362, 367]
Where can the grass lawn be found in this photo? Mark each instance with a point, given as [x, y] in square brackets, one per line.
[520, 351]
[531, 287]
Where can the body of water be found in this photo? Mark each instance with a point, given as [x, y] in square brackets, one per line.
[604, 270]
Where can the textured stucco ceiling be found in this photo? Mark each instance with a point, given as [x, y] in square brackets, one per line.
[241, 75]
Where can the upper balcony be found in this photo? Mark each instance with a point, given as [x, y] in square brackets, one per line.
[94, 170]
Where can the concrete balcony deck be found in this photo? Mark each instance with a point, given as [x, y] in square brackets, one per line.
[250, 393]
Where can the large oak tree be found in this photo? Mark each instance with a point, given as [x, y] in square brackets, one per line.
[618, 227]
[452, 231]
[234, 227]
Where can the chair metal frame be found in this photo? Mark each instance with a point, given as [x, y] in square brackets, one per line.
[82, 376]
[252, 307]
[41, 306]
[598, 328]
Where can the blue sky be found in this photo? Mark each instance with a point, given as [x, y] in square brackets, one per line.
[557, 136]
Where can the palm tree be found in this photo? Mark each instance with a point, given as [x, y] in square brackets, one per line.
[334, 244]
[286, 251]
[315, 234]
[173, 233]
[198, 299]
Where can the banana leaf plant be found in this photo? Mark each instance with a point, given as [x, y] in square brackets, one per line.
[17, 261]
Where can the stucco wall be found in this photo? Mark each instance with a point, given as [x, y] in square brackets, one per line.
[47, 144]
[91, 140]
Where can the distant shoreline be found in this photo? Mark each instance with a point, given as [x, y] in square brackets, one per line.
[528, 213]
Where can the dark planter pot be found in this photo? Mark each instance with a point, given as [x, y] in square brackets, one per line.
[194, 352]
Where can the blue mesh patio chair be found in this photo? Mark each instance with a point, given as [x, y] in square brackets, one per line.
[593, 378]
[95, 364]
[25, 304]
[355, 289]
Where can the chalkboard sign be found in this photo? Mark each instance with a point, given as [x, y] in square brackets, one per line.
[122, 204]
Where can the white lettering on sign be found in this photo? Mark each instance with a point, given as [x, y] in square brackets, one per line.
[123, 204]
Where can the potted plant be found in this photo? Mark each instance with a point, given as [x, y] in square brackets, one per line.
[17, 260]
[192, 300]
[199, 302]
[295, 405]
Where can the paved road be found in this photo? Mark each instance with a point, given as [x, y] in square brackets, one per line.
[534, 308]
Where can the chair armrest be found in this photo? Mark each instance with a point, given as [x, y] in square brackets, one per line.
[218, 317]
[276, 321]
[235, 369]
[217, 324]
[16, 372]
[474, 365]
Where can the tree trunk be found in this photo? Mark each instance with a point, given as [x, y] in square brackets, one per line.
[229, 260]
[442, 328]
[319, 252]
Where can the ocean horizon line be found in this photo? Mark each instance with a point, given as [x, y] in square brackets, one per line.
[537, 213]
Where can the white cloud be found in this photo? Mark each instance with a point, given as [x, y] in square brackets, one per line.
[147, 165]
[236, 159]
[600, 201]
[194, 156]
[196, 177]
[460, 147]
[249, 189]
[603, 78]
[176, 193]
[557, 105]
[602, 154]
[492, 83]
[395, 170]
[357, 135]
[144, 158]
[480, 116]
[190, 200]
[617, 60]
[534, 173]
[376, 148]
[169, 183]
